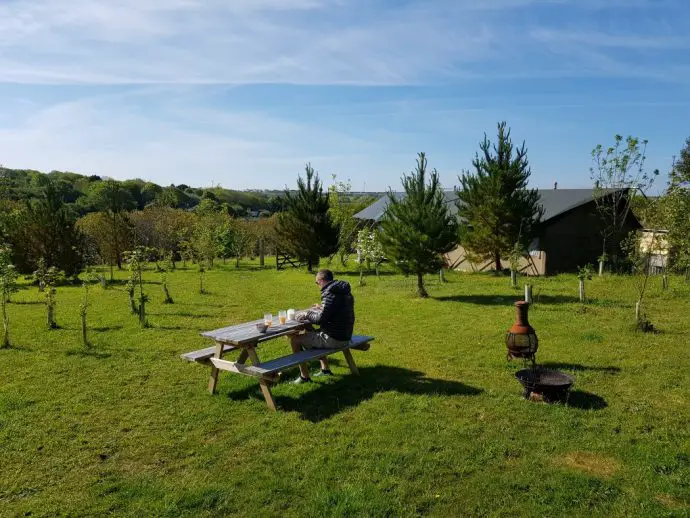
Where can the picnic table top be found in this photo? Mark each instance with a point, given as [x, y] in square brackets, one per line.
[246, 333]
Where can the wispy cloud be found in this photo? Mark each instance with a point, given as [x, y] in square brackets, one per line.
[289, 41]
[122, 87]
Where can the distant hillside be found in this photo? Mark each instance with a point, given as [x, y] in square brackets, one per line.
[79, 192]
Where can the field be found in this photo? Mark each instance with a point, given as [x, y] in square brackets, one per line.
[434, 425]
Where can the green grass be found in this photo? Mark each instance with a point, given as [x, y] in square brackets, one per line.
[435, 424]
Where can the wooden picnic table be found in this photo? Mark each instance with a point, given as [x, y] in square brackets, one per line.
[247, 337]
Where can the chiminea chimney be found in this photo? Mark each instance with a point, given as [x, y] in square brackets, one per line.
[555, 185]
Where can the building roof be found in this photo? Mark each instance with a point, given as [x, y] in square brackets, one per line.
[554, 201]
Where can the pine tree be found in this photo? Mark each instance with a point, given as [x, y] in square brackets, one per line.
[418, 229]
[497, 209]
[51, 231]
[305, 230]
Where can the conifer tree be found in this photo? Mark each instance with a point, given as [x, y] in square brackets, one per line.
[305, 230]
[418, 229]
[497, 210]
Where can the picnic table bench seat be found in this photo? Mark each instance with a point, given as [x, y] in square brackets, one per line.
[270, 368]
[204, 355]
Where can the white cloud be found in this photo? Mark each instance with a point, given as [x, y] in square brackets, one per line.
[290, 41]
[108, 136]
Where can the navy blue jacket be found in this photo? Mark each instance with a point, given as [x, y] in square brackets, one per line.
[337, 316]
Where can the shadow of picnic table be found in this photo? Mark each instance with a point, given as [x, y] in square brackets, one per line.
[339, 393]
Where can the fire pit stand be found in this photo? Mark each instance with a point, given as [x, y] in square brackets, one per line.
[538, 383]
[552, 386]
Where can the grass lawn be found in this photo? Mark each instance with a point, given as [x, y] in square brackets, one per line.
[435, 424]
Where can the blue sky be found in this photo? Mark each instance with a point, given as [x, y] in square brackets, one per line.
[243, 93]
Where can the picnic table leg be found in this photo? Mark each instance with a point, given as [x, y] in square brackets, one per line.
[265, 388]
[350, 361]
[214, 371]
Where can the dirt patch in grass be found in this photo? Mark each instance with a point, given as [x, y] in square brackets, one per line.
[670, 502]
[591, 463]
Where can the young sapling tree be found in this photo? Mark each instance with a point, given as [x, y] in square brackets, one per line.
[8, 279]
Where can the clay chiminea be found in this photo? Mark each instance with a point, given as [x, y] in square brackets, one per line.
[521, 338]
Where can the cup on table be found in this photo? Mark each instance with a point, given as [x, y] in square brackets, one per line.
[290, 314]
[268, 319]
[282, 316]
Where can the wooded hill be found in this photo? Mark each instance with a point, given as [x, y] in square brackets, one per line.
[80, 192]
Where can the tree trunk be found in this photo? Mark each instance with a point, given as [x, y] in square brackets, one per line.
[142, 312]
[237, 261]
[261, 252]
[310, 266]
[51, 320]
[6, 325]
[664, 281]
[528, 293]
[84, 338]
[132, 303]
[168, 298]
[497, 262]
[638, 312]
[112, 276]
[361, 277]
[582, 290]
[441, 277]
[601, 268]
[421, 292]
[513, 279]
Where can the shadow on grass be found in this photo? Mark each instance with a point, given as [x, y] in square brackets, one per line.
[576, 367]
[88, 353]
[504, 300]
[26, 302]
[329, 399]
[367, 275]
[187, 314]
[586, 400]
[20, 348]
[106, 329]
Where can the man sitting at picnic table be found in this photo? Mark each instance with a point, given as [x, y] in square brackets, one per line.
[336, 318]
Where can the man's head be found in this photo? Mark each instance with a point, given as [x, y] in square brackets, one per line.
[323, 277]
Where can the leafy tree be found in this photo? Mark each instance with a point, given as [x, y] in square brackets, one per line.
[264, 231]
[208, 225]
[305, 230]
[88, 279]
[136, 261]
[50, 279]
[677, 211]
[369, 250]
[497, 208]
[418, 229]
[115, 201]
[40, 274]
[342, 212]
[111, 234]
[8, 278]
[618, 173]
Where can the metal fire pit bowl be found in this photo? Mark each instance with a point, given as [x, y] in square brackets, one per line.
[551, 385]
